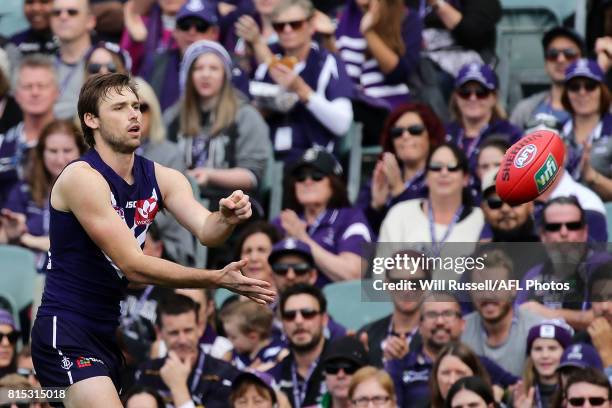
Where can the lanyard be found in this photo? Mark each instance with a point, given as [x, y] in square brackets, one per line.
[473, 147]
[299, 391]
[198, 372]
[437, 245]
[312, 228]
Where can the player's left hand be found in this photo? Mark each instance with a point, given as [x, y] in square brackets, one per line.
[292, 224]
[236, 208]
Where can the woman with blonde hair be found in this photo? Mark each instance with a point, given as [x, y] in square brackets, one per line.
[371, 384]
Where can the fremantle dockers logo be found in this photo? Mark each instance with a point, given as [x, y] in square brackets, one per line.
[145, 211]
[525, 156]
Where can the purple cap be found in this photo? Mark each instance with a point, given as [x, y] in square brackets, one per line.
[201, 9]
[7, 318]
[581, 355]
[290, 246]
[550, 329]
[584, 68]
[264, 379]
[481, 73]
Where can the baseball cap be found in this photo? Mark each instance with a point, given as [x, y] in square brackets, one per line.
[481, 73]
[347, 348]
[7, 318]
[201, 9]
[585, 68]
[320, 159]
[488, 181]
[290, 246]
[552, 329]
[581, 355]
[264, 379]
[561, 31]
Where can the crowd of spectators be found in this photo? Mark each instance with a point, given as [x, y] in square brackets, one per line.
[227, 87]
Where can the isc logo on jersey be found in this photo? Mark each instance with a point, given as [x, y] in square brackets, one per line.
[145, 211]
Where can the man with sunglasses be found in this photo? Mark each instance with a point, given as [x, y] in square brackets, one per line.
[303, 310]
[345, 356]
[587, 388]
[72, 23]
[561, 46]
[570, 259]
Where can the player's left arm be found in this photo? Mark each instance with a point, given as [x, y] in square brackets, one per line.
[210, 228]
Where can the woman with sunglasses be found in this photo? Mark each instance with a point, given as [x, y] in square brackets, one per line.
[477, 112]
[409, 133]
[8, 340]
[545, 345]
[318, 213]
[107, 57]
[25, 218]
[588, 134]
[447, 214]
[372, 386]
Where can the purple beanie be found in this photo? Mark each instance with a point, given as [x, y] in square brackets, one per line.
[550, 329]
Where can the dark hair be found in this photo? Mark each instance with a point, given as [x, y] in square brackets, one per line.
[589, 375]
[338, 199]
[603, 272]
[476, 385]
[93, 91]
[5, 85]
[462, 161]
[564, 200]
[173, 304]
[432, 123]
[141, 389]
[463, 353]
[243, 387]
[263, 227]
[604, 100]
[39, 178]
[499, 142]
[303, 289]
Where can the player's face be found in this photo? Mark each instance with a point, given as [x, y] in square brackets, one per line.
[256, 249]
[119, 120]
[7, 347]
[445, 182]
[294, 37]
[412, 145]
[546, 356]
[450, 370]
[180, 333]
[506, 217]
[241, 342]
[561, 52]
[71, 19]
[476, 103]
[208, 74]
[38, 13]
[36, 91]
[292, 272]
[564, 217]
[60, 149]
[303, 322]
[489, 159]
[441, 323]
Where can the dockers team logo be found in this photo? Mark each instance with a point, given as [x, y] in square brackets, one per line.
[145, 211]
[66, 363]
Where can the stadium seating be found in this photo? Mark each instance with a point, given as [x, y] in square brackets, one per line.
[17, 276]
[221, 296]
[346, 305]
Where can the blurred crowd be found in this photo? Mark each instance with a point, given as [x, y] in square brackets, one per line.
[229, 87]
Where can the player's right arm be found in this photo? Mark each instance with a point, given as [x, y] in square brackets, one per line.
[84, 192]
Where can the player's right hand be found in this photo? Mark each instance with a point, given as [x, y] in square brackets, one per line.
[257, 290]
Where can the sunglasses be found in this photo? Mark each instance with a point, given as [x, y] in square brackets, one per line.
[95, 68]
[480, 92]
[26, 372]
[593, 401]
[201, 26]
[496, 203]
[12, 336]
[144, 108]
[589, 85]
[71, 12]
[295, 25]
[299, 269]
[314, 175]
[556, 226]
[414, 130]
[552, 54]
[306, 313]
[438, 167]
[334, 368]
